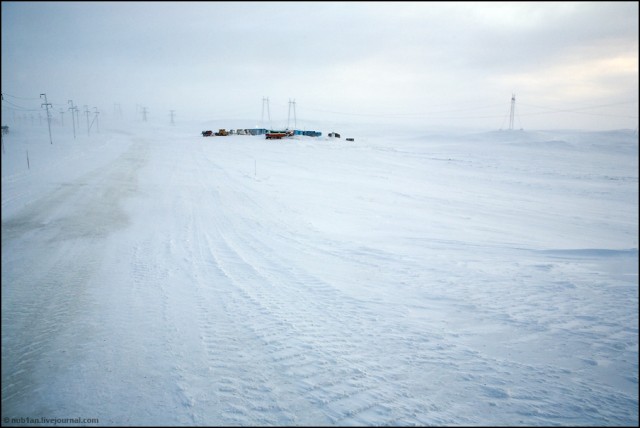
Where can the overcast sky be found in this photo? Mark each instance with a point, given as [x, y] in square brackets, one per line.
[570, 64]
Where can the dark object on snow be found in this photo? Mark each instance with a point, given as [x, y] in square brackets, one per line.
[349, 139]
[5, 129]
[278, 135]
[207, 133]
[334, 134]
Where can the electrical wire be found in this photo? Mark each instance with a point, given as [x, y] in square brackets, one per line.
[17, 107]
[20, 98]
[577, 110]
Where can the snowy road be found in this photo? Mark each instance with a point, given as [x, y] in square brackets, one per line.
[234, 281]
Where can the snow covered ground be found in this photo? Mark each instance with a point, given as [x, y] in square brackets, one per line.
[151, 276]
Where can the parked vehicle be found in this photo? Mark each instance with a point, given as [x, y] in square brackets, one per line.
[277, 135]
[312, 133]
[207, 133]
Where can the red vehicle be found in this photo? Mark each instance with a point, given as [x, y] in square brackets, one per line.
[277, 135]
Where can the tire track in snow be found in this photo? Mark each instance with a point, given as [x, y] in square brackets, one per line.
[325, 347]
[36, 330]
[167, 354]
[47, 275]
[263, 266]
[227, 389]
[309, 344]
[145, 330]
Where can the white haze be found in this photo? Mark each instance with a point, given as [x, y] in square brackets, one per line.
[571, 65]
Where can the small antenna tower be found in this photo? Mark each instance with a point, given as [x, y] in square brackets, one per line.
[291, 103]
[513, 110]
[294, 114]
[265, 101]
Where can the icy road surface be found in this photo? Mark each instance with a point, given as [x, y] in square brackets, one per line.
[156, 277]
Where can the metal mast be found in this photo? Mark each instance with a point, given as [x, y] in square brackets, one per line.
[513, 109]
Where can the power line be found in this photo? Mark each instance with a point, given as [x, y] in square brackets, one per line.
[589, 107]
[577, 110]
[21, 98]
[434, 114]
[442, 114]
[17, 107]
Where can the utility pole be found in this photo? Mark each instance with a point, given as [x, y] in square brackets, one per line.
[172, 116]
[62, 116]
[513, 109]
[294, 115]
[266, 101]
[144, 114]
[292, 103]
[95, 117]
[46, 105]
[75, 109]
[73, 120]
[86, 110]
